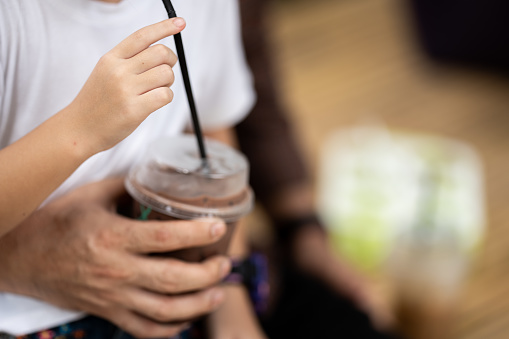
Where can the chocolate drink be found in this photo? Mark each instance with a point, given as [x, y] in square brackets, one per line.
[170, 183]
[197, 253]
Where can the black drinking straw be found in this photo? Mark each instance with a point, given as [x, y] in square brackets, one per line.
[187, 84]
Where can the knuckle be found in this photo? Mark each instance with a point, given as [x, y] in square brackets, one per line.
[139, 35]
[162, 51]
[165, 95]
[105, 238]
[128, 113]
[208, 280]
[173, 59]
[216, 271]
[165, 55]
[115, 70]
[162, 235]
[164, 312]
[99, 266]
[106, 60]
[166, 69]
[208, 303]
[180, 234]
[117, 74]
[161, 314]
[95, 244]
[209, 272]
[165, 73]
[65, 217]
[170, 75]
[214, 298]
[169, 281]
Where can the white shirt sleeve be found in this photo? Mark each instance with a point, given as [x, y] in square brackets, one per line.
[4, 41]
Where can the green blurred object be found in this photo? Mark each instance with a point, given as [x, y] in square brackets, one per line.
[376, 187]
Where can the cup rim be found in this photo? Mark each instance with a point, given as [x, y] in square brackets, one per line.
[181, 210]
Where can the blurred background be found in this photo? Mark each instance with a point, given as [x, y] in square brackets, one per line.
[392, 67]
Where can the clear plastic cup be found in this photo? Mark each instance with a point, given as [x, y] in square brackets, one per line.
[171, 183]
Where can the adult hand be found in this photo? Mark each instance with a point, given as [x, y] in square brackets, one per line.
[128, 83]
[77, 253]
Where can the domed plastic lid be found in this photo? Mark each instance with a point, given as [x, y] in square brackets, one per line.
[171, 180]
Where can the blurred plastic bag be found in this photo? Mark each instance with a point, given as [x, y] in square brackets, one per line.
[393, 195]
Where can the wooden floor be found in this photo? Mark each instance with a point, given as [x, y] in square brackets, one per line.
[345, 61]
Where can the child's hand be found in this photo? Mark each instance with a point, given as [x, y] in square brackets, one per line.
[128, 83]
[235, 319]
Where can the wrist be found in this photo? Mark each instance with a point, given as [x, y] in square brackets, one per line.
[15, 277]
[77, 138]
[251, 275]
[235, 318]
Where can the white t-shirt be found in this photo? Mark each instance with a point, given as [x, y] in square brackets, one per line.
[48, 49]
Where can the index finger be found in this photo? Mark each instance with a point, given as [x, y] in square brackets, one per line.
[143, 38]
[165, 236]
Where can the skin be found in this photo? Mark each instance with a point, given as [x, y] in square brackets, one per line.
[127, 84]
[77, 253]
[312, 252]
[235, 318]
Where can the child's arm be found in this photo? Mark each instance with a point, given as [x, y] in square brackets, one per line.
[128, 83]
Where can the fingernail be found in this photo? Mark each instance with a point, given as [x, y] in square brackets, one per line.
[217, 229]
[225, 267]
[179, 22]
